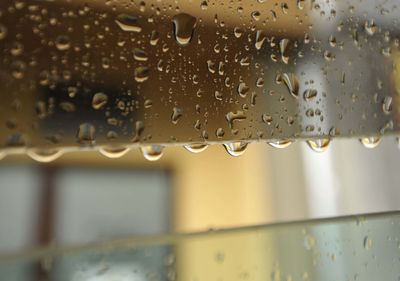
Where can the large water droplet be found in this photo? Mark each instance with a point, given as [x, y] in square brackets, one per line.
[292, 83]
[44, 155]
[371, 142]
[236, 148]
[114, 152]
[196, 147]
[319, 145]
[152, 152]
[184, 25]
[128, 23]
[260, 38]
[280, 143]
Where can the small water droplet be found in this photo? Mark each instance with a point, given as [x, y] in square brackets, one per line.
[309, 242]
[154, 38]
[3, 32]
[236, 148]
[370, 27]
[99, 100]
[280, 143]
[260, 38]
[176, 115]
[152, 152]
[371, 142]
[309, 94]
[367, 243]
[128, 23]
[196, 147]
[44, 155]
[140, 55]
[319, 145]
[114, 152]
[184, 25]
[283, 45]
[387, 105]
[86, 134]
[243, 89]
[63, 43]
[292, 83]
[142, 73]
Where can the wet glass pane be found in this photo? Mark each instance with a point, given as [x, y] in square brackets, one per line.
[348, 248]
[122, 73]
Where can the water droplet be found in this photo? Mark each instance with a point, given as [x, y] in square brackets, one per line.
[319, 145]
[309, 94]
[196, 147]
[128, 23]
[234, 116]
[154, 38]
[184, 25]
[309, 242]
[237, 32]
[370, 27]
[256, 15]
[292, 83]
[44, 155]
[260, 38]
[260, 82]
[220, 133]
[176, 115]
[142, 73]
[387, 105]
[367, 243]
[204, 5]
[152, 152]
[371, 142]
[63, 43]
[236, 148]
[267, 119]
[280, 143]
[114, 152]
[3, 32]
[86, 134]
[243, 89]
[99, 100]
[283, 45]
[140, 55]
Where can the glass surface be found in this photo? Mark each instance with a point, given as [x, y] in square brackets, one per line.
[120, 73]
[348, 248]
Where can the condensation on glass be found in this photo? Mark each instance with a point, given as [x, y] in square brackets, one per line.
[119, 74]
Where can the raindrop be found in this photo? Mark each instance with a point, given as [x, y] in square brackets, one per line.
[184, 25]
[140, 55]
[176, 115]
[236, 148]
[243, 89]
[220, 133]
[152, 152]
[44, 155]
[3, 32]
[114, 152]
[128, 23]
[283, 45]
[99, 100]
[260, 38]
[280, 143]
[154, 38]
[292, 83]
[387, 105]
[204, 5]
[267, 119]
[371, 142]
[86, 134]
[370, 27]
[234, 116]
[196, 147]
[367, 243]
[256, 15]
[319, 145]
[309, 94]
[142, 73]
[63, 43]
